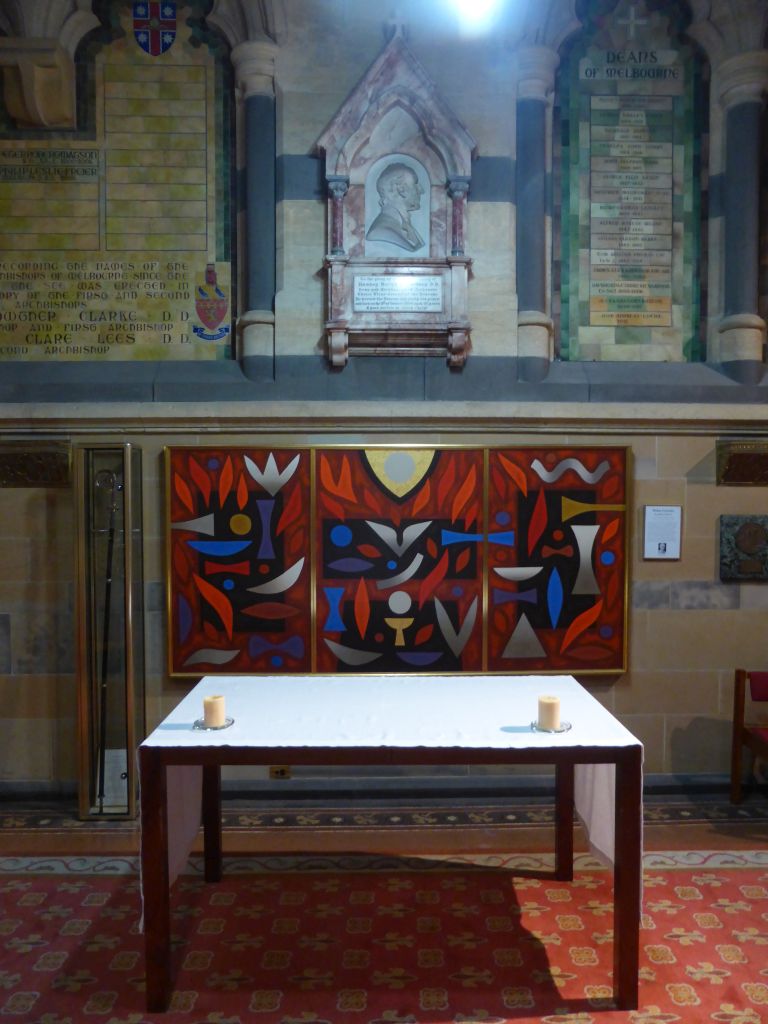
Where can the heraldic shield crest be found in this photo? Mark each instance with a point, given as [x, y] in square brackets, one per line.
[154, 26]
[211, 305]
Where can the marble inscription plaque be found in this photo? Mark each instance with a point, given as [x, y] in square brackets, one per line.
[400, 293]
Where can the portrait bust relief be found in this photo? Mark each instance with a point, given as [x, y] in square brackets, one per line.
[396, 212]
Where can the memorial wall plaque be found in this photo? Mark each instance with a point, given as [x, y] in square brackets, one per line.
[630, 215]
[630, 193]
[117, 248]
[403, 293]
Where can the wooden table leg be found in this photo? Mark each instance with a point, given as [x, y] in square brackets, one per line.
[564, 774]
[212, 822]
[628, 871]
[155, 887]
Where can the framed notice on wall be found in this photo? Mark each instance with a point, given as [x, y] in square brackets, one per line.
[662, 532]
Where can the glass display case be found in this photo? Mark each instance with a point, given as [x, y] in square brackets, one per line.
[110, 627]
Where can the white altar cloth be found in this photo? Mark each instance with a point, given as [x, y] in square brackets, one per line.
[485, 712]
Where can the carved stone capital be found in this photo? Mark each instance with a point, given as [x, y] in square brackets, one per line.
[536, 67]
[241, 21]
[39, 83]
[743, 79]
[62, 22]
[338, 185]
[458, 186]
[37, 57]
[727, 28]
[254, 64]
[546, 23]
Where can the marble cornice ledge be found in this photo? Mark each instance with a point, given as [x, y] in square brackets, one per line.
[396, 422]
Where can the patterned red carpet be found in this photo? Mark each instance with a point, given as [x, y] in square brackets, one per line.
[342, 940]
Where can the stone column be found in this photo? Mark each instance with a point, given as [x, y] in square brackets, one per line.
[535, 85]
[254, 63]
[743, 81]
[458, 187]
[338, 185]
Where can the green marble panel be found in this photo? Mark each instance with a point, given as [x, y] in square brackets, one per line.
[628, 109]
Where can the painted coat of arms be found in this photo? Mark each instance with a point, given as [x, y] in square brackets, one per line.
[211, 307]
[154, 26]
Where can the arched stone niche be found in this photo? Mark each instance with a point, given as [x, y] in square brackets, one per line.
[398, 167]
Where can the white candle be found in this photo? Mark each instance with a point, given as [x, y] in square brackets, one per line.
[549, 713]
[213, 711]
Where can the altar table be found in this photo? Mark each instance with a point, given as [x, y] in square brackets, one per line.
[390, 720]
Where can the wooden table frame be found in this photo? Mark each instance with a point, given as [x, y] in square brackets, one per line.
[155, 879]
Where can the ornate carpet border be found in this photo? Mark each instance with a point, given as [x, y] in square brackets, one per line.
[496, 815]
[657, 860]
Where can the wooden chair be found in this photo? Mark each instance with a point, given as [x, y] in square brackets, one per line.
[754, 737]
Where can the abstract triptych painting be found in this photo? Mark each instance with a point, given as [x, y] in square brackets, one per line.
[406, 560]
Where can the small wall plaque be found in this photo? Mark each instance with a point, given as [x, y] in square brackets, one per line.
[663, 528]
[744, 548]
[35, 464]
[742, 463]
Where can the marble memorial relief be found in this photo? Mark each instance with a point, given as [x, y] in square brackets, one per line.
[394, 192]
[398, 169]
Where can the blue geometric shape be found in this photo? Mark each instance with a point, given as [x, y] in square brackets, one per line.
[334, 622]
[184, 617]
[294, 646]
[453, 537]
[350, 565]
[419, 657]
[607, 557]
[219, 547]
[341, 536]
[508, 596]
[266, 507]
[554, 597]
[502, 517]
[505, 537]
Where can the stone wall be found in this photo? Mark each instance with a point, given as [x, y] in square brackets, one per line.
[687, 630]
